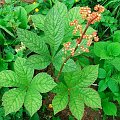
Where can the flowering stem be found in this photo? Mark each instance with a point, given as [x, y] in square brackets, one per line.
[80, 40]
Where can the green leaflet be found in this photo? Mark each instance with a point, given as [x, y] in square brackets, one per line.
[33, 101]
[90, 97]
[38, 62]
[24, 73]
[38, 21]
[60, 102]
[43, 82]
[8, 79]
[33, 41]
[88, 75]
[37, 44]
[76, 106]
[28, 88]
[73, 14]
[13, 100]
[58, 60]
[54, 29]
[62, 9]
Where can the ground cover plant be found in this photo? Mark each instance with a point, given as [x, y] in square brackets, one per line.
[59, 60]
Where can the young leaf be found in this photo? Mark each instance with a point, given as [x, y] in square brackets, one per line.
[113, 49]
[100, 50]
[43, 82]
[88, 75]
[38, 62]
[54, 29]
[13, 100]
[24, 73]
[21, 13]
[8, 78]
[76, 106]
[33, 41]
[116, 36]
[116, 63]
[102, 85]
[109, 108]
[91, 97]
[113, 85]
[33, 101]
[60, 102]
[38, 21]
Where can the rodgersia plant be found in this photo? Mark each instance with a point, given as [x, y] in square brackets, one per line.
[57, 48]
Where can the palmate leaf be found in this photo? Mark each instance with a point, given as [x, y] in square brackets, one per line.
[28, 91]
[13, 100]
[33, 101]
[43, 82]
[76, 86]
[24, 73]
[33, 42]
[38, 62]
[54, 29]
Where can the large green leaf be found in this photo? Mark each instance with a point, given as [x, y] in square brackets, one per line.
[21, 13]
[38, 62]
[54, 29]
[33, 101]
[8, 78]
[24, 73]
[60, 102]
[38, 21]
[13, 100]
[33, 42]
[43, 82]
[91, 97]
[88, 75]
[76, 106]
